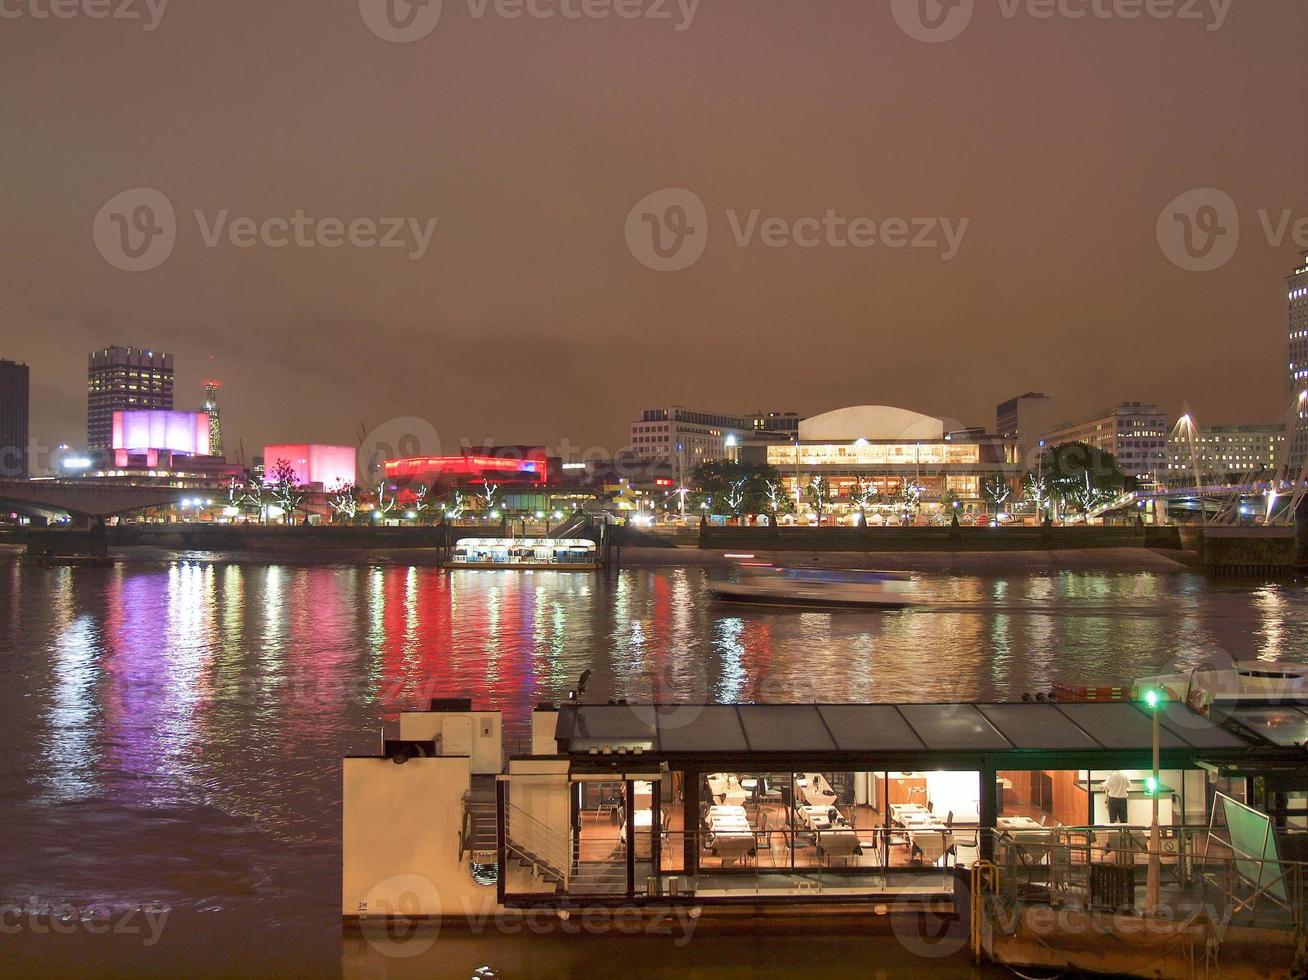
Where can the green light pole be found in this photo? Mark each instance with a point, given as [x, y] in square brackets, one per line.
[1154, 699]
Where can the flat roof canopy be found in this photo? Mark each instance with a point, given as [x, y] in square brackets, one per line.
[1014, 728]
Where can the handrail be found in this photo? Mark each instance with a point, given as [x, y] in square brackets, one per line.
[556, 853]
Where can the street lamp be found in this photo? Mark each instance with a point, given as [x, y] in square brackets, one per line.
[1154, 701]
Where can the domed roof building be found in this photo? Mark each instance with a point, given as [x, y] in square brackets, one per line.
[889, 451]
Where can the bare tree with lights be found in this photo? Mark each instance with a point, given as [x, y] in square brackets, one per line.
[864, 495]
[818, 493]
[997, 492]
[344, 501]
[286, 489]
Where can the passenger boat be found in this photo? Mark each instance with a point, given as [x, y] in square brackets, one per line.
[822, 588]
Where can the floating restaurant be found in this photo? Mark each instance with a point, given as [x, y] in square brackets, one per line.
[858, 808]
[525, 554]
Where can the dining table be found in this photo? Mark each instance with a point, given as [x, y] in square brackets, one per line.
[1019, 823]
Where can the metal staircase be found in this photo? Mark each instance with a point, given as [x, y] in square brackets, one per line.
[542, 850]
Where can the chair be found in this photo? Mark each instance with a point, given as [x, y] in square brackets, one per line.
[970, 842]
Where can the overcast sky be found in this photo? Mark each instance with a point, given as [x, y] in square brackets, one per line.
[1031, 159]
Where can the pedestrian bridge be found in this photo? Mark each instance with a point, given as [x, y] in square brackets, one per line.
[85, 499]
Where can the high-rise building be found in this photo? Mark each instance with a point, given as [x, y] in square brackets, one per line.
[1133, 432]
[1224, 451]
[1297, 302]
[14, 402]
[1023, 420]
[212, 409]
[124, 379]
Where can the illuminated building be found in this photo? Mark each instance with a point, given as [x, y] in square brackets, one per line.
[214, 411]
[509, 465]
[1134, 433]
[1224, 451]
[124, 379]
[157, 434]
[696, 436]
[155, 446]
[14, 402]
[314, 466]
[886, 450]
[1297, 310]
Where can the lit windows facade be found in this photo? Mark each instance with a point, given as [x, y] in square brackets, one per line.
[120, 379]
[1133, 432]
[1297, 307]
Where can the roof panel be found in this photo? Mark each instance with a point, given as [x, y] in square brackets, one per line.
[1119, 725]
[614, 723]
[700, 728]
[870, 728]
[1280, 725]
[1037, 726]
[785, 728]
[952, 726]
[1196, 729]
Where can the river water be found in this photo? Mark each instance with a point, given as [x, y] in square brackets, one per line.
[173, 729]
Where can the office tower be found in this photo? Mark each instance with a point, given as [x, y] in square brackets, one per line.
[124, 379]
[14, 403]
[214, 411]
[1297, 302]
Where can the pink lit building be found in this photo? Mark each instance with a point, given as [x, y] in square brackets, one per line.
[322, 466]
[155, 432]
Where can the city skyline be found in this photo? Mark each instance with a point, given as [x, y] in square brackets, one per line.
[1059, 285]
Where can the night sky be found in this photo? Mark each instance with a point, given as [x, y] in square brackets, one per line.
[1060, 142]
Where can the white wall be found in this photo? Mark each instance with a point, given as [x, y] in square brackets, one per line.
[400, 839]
[543, 726]
[957, 791]
[487, 748]
[542, 823]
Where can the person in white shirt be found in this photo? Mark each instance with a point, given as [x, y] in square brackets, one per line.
[1117, 787]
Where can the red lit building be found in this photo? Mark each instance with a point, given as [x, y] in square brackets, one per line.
[506, 465]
